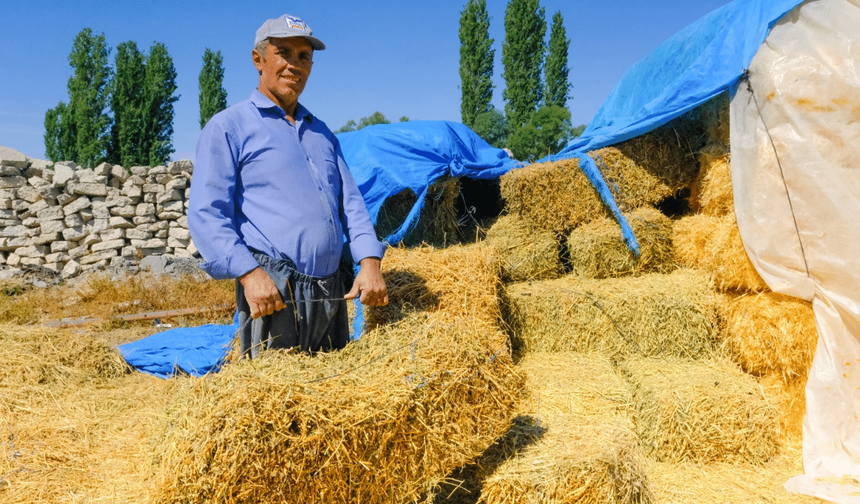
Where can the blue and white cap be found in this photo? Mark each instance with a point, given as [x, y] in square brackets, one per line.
[288, 26]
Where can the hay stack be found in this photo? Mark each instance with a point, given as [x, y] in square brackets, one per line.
[701, 411]
[714, 245]
[575, 439]
[652, 314]
[527, 253]
[555, 196]
[458, 280]
[632, 184]
[597, 249]
[381, 421]
[437, 224]
[712, 194]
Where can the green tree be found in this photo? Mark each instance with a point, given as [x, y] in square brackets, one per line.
[404, 119]
[476, 61]
[522, 58]
[555, 69]
[491, 126]
[127, 104]
[547, 132]
[213, 96]
[159, 88]
[374, 118]
[79, 131]
[349, 126]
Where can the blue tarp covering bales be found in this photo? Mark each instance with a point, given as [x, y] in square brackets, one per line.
[384, 159]
[695, 65]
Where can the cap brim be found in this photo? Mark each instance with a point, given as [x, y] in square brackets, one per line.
[315, 42]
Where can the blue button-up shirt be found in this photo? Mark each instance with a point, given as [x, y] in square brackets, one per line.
[262, 182]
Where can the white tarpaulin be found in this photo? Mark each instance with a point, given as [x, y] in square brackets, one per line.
[795, 142]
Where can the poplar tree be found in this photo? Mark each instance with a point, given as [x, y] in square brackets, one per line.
[127, 103]
[213, 96]
[555, 69]
[522, 58]
[78, 131]
[476, 61]
[158, 98]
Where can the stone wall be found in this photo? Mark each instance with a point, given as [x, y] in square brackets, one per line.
[72, 219]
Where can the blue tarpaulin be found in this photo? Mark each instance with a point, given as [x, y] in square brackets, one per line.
[184, 350]
[695, 65]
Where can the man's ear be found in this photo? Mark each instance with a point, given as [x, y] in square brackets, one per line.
[258, 60]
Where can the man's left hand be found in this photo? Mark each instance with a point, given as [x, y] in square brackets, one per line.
[369, 286]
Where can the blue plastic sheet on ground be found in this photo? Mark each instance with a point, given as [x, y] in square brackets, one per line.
[184, 350]
[695, 65]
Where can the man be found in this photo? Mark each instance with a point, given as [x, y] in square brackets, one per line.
[273, 205]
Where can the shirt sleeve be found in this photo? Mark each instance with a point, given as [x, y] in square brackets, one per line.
[211, 206]
[356, 220]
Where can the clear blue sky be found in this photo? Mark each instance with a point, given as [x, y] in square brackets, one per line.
[398, 57]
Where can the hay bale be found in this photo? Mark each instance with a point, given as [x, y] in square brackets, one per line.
[714, 245]
[632, 184]
[438, 223]
[527, 253]
[712, 194]
[653, 314]
[380, 421]
[703, 411]
[769, 333]
[554, 196]
[574, 440]
[458, 280]
[597, 249]
[714, 115]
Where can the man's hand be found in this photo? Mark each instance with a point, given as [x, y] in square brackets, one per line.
[369, 285]
[261, 293]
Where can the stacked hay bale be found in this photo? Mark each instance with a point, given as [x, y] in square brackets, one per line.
[438, 223]
[426, 390]
[527, 253]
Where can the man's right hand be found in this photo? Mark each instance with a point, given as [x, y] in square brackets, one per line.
[261, 293]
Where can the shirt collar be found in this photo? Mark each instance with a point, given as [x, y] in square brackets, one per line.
[262, 101]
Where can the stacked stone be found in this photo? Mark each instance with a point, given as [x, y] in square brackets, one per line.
[72, 219]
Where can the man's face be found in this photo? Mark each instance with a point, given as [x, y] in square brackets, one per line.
[284, 70]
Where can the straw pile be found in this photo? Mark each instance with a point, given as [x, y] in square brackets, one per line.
[437, 224]
[701, 411]
[380, 421]
[712, 193]
[553, 196]
[714, 245]
[631, 184]
[653, 314]
[575, 439]
[597, 249]
[527, 253]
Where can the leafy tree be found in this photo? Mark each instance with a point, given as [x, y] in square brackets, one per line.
[555, 69]
[577, 131]
[404, 119]
[476, 61]
[349, 126]
[374, 118]
[491, 126]
[213, 96]
[159, 86]
[522, 58]
[127, 103]
[79, 131]
[547, 132]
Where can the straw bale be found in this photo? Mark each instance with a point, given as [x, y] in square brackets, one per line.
[712, 194]
[598, 250]
[652, 314]
[437, 224]
[527, 253]
[714, 245]
[714, 114]
[632, 184]
[461, 280]
[575, 437]
[789, 396]
[730, 483]
[703, 411]
[554, 196]
[380, 421]
[769, 333]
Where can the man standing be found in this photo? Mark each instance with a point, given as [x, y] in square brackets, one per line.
[273, 205]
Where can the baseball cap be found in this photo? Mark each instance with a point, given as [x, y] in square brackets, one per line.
[287, 26]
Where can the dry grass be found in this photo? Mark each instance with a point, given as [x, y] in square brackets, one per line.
[575, 440]
[714, 245]
[438, 223]
[381, 421]
[631, 184]
[652, 314]
[597, 249]
[527, 253]
[702, 411]
[712, 193]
